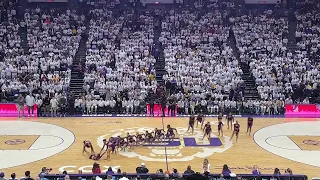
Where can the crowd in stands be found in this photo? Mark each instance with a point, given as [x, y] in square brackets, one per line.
[203, 72]
[308, 49]
[198, 59]
[53, 40]
[119, 62]
[11, 52]
[262, 41]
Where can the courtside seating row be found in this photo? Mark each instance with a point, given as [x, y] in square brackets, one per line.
[184, 176]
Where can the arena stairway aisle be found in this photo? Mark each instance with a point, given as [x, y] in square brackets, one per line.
[292, 26]
[250, 91]
[158, 50]
[24, 39]
[79, 62]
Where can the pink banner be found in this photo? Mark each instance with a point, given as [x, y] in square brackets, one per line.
[11, 110]
[157, 110]
[303, 110]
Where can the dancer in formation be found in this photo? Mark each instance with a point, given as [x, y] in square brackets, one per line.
[249, 125]
[230, 120]
[200, 119]
[159, 134]
[110, 148]
[170, 132]
[139, 139]
[191, 123]
[122, 144]
[149, 137]
[236, 130]
[98, 156]
[87, 144]
[220, 125]
[130, 141]
[207, 131]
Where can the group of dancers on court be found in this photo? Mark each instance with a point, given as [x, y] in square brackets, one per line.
[207, 130]
[113, 144]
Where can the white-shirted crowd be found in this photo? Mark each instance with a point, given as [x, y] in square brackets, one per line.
[262, 40]
[198, 57]
[13, 63]
[119, 58]
[308, 43]
[203, 73]
[53, 40]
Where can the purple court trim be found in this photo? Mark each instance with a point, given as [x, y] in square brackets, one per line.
[188, 141]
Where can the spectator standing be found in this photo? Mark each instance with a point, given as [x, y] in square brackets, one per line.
[21, 102]
[203, 104]
[71, 103]
[136, 106]
[180, 107]
[192, 106]
[171, 106]
[54, 106]
[39, 106]
[151, 99]
[163, 102]
[30, 101]
[186, 106]
[63, 104]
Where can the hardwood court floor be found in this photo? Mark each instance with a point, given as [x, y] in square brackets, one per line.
[240, 156]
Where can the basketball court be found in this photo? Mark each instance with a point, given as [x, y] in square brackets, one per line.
[57, 143]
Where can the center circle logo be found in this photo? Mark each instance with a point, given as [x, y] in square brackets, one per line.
[180, 153]
[15, 142]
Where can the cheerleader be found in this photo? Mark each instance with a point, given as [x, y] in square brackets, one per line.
[236, 130]
[139, 139]
[249, 124]
[191, 123]
[200, 119]
[130, 141]
[122, 144]
[170, 133]
[230, 120]
[220, 125]
[159, 134]
[149, 137]
[110, 148]
[207, 131]
[87, 144]
[98, 156]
